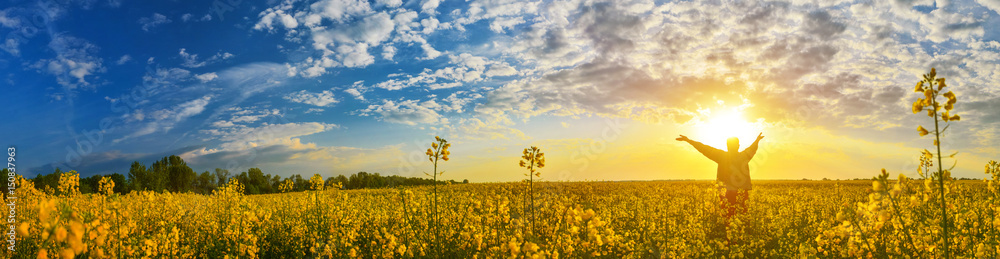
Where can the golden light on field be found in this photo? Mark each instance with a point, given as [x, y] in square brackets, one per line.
[721, 124]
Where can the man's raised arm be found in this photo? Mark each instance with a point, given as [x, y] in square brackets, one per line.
[752, 149]
[712, 153]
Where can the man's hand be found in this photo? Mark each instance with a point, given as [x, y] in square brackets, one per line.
[760, 136]
[683, 138]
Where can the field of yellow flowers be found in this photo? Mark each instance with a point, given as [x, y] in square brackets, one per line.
[933, 216]
[825, 219]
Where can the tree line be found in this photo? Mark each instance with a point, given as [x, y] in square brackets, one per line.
[172, 174]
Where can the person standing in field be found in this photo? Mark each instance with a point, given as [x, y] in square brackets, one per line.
[733, 172]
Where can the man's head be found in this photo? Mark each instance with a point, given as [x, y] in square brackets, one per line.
[734, 144]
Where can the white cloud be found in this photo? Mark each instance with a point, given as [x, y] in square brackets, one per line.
[207, 77]
[467, 68]
[991, 4]
[344, 44]
[266, 134]
[429, 6]
[354, 92]
[502, 69]
[155, 20]
[123, 59]
[271, 16]
[430, 51]
[241, 117]
[430, 24]
[6, 20]
[164, 120]
[388, 52]
[191, 60]
[313, 110]
[409, 112]
[324, 98]
[500, 24]
[11, 46]
[339, 10]
[188, 17]
[390, 3]
[74, 63]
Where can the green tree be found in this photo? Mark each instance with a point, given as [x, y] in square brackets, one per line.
[179, 177]
[222, 175]
[48, 183]
[120, 186]
[260, 181]
[206, 182]
[139, 176]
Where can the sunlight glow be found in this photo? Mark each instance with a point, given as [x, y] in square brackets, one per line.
[722, 124]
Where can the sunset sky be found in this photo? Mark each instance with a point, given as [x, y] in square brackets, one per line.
[603, 87]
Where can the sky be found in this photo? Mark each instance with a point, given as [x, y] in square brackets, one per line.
[602, 87]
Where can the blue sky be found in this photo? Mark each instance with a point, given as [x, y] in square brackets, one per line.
[341, 86]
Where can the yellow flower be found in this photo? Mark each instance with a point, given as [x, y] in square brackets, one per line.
[513, 247]
[530, 247]
[67, 254]
[941, 83]
[60, 234]
[434, 145]
[949, 94]
[22, 230]
[920, 87]
[76, 228]
[922, 131]
[918, 106]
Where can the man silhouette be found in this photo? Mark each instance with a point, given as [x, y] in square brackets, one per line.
[733, 172]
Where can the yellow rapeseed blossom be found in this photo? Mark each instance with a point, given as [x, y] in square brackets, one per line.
[922, 131]
[613, 219]
[316, 182]
[69, 183]
[106, 186]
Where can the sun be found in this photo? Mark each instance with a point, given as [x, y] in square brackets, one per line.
[725, 123]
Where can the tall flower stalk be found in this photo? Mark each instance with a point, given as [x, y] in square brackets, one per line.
[532, 159]
[931, 87]
[437, 152]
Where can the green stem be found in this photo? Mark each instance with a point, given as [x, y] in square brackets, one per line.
[531, 191]
[863, 236]
[905, 229]
[937, 136]
[437, 232]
